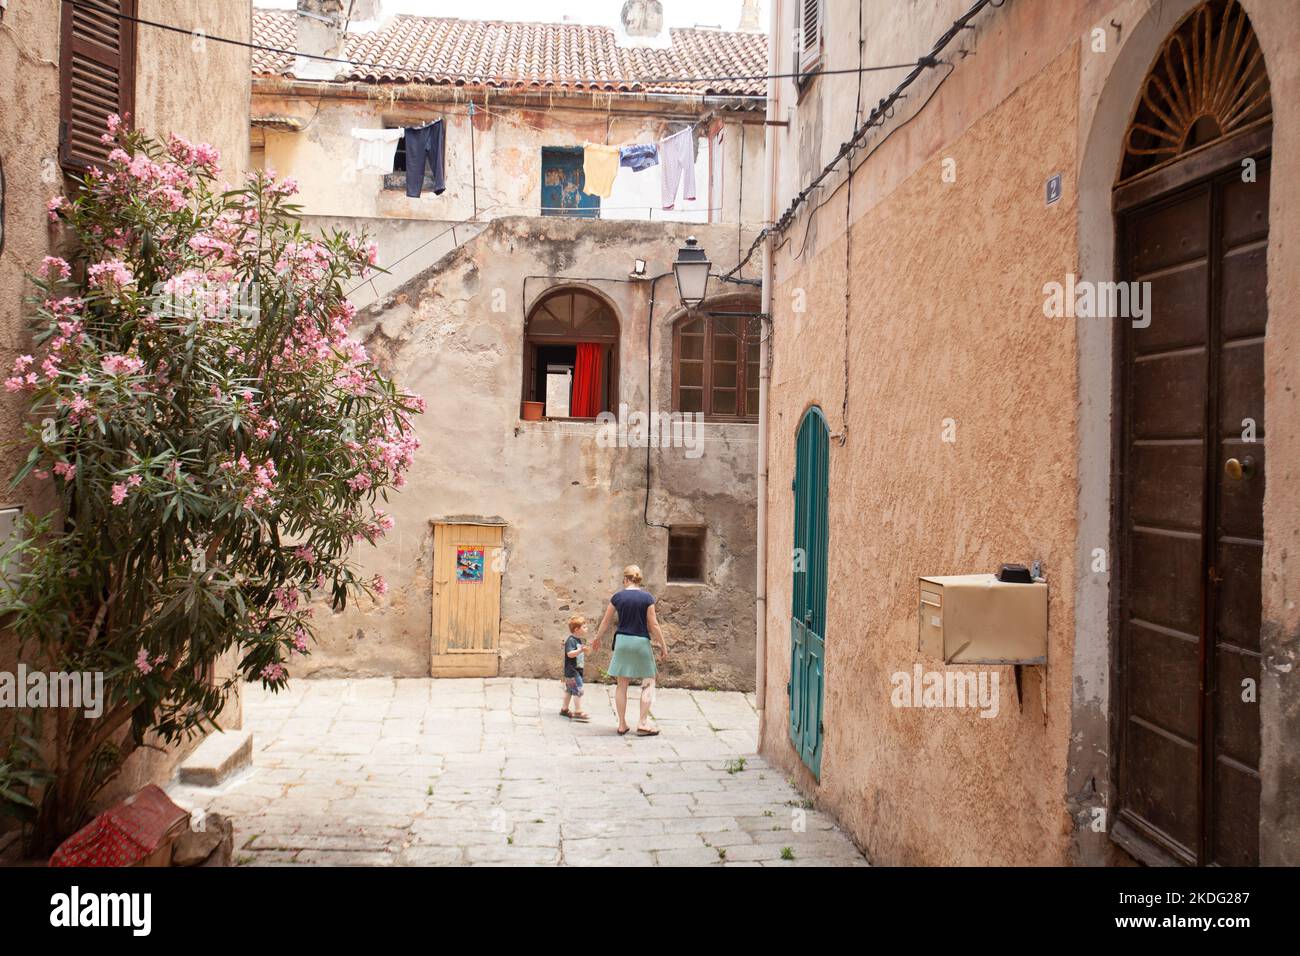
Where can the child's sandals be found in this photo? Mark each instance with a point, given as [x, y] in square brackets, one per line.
[581, 716]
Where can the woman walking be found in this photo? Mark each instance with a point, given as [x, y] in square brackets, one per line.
[634, 611]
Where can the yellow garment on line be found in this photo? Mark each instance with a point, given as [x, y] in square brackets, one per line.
[599, 167]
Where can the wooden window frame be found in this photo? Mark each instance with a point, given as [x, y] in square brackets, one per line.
[531, 344]
[747, 331]
[123, 61]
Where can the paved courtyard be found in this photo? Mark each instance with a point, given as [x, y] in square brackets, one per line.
[471, 771]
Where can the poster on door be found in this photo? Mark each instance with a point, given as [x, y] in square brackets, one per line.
[469, 564]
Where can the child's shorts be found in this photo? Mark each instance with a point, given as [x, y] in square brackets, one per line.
[573, 685]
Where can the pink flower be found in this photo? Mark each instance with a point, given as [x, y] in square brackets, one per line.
[65, 470]
[119, 493]
[285, 187]
[110, 274]
[305, 554]
[380, 585]
[142, 662]
[54, 207]
[287, 599]
[53, 264]
[274, 672]
[120, 364]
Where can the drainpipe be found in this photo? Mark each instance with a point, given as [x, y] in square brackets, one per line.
[764, 374]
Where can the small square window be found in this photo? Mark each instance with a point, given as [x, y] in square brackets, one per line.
[686, 554]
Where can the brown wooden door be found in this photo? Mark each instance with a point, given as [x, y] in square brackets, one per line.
[1190, 535]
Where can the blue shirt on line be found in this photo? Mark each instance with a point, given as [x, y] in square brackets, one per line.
[631, 605]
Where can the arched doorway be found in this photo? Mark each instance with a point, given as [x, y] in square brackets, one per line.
[808, 605]
[1191, 206]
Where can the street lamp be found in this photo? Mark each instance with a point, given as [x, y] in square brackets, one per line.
[692, 271]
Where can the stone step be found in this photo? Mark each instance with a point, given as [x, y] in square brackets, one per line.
[219, 756]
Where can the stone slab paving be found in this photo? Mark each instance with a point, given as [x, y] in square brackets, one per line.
[486, 772]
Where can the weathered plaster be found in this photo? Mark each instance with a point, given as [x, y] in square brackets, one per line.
[573, 511]
[934, 786]
[1033, 66]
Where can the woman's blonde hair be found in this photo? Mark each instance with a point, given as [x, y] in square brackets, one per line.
[632, 573]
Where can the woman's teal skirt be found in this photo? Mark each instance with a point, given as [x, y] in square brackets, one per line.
[632, 658]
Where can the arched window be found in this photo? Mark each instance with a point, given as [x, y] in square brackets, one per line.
[571, 354]
[1207, 83]
[715, 365]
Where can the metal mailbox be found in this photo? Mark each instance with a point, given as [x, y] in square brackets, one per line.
[977, 619]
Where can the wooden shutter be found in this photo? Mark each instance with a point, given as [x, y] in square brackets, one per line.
[96, 76]
[808, 34]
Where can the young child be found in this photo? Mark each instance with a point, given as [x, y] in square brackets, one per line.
[575, 657]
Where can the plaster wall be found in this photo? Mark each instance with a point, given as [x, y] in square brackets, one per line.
[931, 786]
[574, 511]
[950, 338]
[504, 170]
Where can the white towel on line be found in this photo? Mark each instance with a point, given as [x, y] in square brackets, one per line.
[377, 149]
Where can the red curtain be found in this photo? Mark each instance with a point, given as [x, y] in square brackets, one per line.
[587, 381]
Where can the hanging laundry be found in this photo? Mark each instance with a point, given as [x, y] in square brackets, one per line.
[677, 156]
[426, 145]
[376, 149]
[599, 166]
[639, 156]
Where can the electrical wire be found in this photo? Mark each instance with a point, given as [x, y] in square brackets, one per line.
[514, 80]
[883, 110]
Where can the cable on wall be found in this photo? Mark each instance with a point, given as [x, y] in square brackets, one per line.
[882, 111]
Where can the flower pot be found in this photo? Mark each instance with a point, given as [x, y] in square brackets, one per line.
[532, 411]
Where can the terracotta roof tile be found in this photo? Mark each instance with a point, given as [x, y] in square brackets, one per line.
[565, 56]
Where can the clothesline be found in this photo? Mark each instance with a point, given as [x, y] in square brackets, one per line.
[675, 154]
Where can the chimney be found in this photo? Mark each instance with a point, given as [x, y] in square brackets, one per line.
[642, 19]
[319, 31]
[749, 19]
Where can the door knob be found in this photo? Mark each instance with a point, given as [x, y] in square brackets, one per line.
[1237, 469]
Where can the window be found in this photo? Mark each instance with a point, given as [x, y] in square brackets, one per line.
[571, 354]
[562, 182]
[808, 36]
[96, 77]
[686, 555]
[715, 367]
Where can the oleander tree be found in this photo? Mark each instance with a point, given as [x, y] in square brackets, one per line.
[218, 444]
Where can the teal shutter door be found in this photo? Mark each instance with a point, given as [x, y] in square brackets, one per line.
[808, 611]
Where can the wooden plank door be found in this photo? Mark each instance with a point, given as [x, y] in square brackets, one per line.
[1191, 528]
[466, 600]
